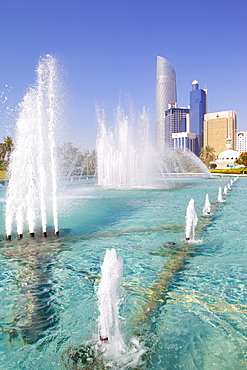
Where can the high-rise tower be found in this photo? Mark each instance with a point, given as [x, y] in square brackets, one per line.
[166, 97]
[198, 107]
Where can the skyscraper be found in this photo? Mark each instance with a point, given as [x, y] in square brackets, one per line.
[198, 107]
[166, 93]
[175, 121]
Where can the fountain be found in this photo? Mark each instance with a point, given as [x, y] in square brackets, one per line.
[110, 351]
[220, 197]
[32, 190]
[108, 301]
[126, 157]
[191, 221]
[225, 190]
[206, 208]
[174, 293]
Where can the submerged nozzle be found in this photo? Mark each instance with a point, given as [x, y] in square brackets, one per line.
[56, 233]
[44, 234]
[8, 237]
[20, 236]
[187, 238]
[103, 339]
[32, 235]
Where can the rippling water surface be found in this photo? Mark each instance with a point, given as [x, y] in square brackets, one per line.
[185, 304]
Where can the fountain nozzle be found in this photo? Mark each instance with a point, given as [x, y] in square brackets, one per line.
[103, 339]
[32, 235]
[56, 233]
[8, 237]
[44, 234]
[187, 238]
[20, 236]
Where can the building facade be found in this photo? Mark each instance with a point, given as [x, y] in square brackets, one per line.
[198, 107]
[166, 93]
[218, 127]
[175, 121]
[241, 145]
[184, 141]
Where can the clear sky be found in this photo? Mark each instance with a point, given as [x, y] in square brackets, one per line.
[107, 52]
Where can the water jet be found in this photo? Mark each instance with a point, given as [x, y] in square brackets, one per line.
[191, 220]
[220, 197]
[32, 197]
[206, 208]
[127, 158]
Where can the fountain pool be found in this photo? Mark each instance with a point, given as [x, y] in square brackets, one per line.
[184, 305]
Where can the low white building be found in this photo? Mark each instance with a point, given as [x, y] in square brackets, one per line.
[228, 157]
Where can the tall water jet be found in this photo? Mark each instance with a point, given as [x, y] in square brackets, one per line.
[206, 211]
[126, 157]
[191, 220]
[108, 301]
[32, 189]
[225, 190]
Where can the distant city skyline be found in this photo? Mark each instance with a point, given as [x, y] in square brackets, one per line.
[107, 52]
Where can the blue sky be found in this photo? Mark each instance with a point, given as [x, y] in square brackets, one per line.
[107, 49]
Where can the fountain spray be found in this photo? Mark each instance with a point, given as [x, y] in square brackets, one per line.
[207, 207]
[32, 189]
[191, 220]
[108, 301]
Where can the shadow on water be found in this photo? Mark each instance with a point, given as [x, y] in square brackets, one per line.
[36, 310]
[178, 257]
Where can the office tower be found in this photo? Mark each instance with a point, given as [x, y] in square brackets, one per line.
[242, 141]
[198, 107]
[175, 121]
[166, 93]
[218, 127]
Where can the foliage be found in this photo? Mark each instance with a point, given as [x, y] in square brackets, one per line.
[207, 154]
[6, 149]
[2, 175]
[73, 162]
[242, 159]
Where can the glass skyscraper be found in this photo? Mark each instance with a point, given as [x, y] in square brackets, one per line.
[198, 107]
[175, 121]
[166, 97]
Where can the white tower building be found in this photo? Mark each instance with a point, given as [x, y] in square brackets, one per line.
[166, 97]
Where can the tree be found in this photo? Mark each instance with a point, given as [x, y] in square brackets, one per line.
[9, 146]
[207, 154]
[6, 149]
[242, 159]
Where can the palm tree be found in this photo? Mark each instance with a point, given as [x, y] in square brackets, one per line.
[8, 147]
[207, 154]
[2, 151]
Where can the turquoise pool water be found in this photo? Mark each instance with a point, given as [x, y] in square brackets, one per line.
[186, 304]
